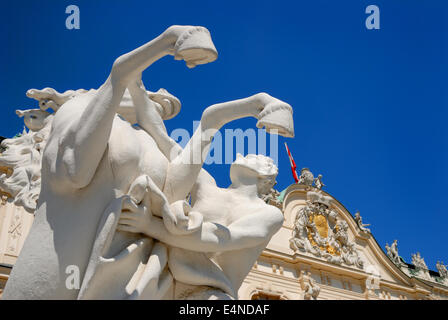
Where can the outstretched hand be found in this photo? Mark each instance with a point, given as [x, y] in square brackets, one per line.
[144, 200]
[193, 44]
[275, 116]
[135, 218]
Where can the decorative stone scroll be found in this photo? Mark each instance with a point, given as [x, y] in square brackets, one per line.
[318, 230]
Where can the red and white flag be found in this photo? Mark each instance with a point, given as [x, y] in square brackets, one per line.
[293, 164]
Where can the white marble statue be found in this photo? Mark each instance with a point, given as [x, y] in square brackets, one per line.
[310, 289]
[105, 183]
[318, 182]
[22, 156]
[220, 255]
[306, 177]
[443, 272]
[418, 261]
[392, 253]
[361, 225]
[421, 269]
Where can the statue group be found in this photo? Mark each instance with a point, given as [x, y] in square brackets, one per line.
[110, 200]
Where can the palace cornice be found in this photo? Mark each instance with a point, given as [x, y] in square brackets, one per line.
[284, 280]
[348, 294]
[288, 282]
[430, 285]
[414, 286]
[316, 263]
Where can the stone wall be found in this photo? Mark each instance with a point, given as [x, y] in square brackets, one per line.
[15, 223]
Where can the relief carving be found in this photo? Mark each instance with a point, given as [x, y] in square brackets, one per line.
[318, 230]
[309, 286]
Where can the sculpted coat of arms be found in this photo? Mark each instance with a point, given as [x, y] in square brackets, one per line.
[318, 230]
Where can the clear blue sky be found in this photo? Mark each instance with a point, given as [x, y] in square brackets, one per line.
[370, 106]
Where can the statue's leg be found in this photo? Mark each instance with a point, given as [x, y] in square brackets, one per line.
[155, 279]
[150, 120]
[88, 136]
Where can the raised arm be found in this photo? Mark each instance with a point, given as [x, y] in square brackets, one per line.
[186, 164]
[184, 169]
[85, 140]
[150, 120]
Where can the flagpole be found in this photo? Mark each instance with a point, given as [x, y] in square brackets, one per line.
[293, 164]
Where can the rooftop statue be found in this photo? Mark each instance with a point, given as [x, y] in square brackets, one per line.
[361, 225]
[112, 201]
[272, 198]
[418, 261]
[392, 253]
[318, 182]
[421, 269]
[306, 177]
[443, 272]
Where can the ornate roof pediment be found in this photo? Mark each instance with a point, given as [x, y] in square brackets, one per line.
[322, 228]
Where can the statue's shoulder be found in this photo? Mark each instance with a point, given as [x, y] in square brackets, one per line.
[274, 215]
[265, 212]
[70, 111]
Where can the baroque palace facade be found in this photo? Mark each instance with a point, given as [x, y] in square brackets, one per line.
[321, 252]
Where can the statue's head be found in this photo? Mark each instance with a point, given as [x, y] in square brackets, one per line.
[50, 98]
[35, 119]
[166, 104]
[254, 167]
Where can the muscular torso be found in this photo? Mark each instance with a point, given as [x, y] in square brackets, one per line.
[225, 206]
